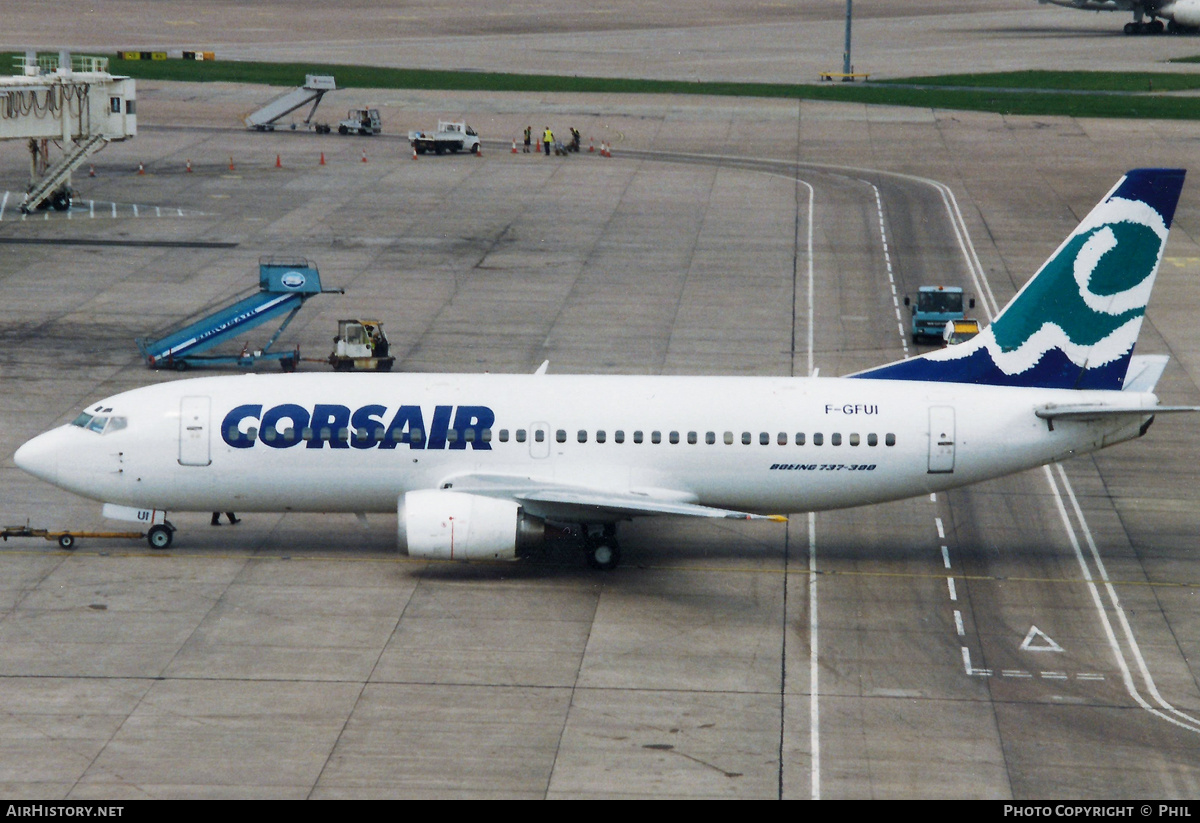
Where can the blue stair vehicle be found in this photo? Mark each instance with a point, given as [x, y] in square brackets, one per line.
[284, 285]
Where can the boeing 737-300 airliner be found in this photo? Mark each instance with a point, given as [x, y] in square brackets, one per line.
[478, 465]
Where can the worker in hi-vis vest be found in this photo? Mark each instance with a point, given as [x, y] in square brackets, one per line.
[547, 139]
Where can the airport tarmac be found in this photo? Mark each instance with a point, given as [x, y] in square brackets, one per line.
[1030, 638]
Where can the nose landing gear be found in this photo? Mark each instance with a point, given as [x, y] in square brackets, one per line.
[160, 537]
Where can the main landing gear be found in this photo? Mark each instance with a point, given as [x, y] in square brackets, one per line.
[1139, 27]
[1157, 27]
[600, 547]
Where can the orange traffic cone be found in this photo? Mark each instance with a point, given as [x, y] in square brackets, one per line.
[188, 167]
[591, 145]
[278, 162]
[364, 155]
[414, 152]
[92, 172]
[231, 162]
[514, 147]
[141, 169]
[322, 163]
[479, 150]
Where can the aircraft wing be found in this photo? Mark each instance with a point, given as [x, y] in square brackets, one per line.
[570, 502]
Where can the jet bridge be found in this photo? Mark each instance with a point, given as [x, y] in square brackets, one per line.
[284, 286]
[73, 103]
[314, 88]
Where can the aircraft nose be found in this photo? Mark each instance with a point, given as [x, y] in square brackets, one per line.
[39, 457]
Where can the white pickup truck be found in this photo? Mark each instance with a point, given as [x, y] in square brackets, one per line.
[450, 137]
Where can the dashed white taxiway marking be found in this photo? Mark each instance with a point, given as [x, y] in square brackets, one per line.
[115, 209]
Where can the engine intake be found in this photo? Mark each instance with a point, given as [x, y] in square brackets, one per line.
[451, 525]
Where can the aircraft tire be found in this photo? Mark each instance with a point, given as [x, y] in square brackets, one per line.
[603, 554]
[160, 537]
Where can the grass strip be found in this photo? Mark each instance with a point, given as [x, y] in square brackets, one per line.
[1072, 94]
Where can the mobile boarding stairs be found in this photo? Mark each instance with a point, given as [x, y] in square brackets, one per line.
[314, 88]
[284, 284]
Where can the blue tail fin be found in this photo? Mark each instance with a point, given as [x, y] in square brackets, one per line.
[1074, 324]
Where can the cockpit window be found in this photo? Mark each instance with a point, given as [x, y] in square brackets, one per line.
[100, 424]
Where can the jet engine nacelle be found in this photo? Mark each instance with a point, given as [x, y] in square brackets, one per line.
[1184, 12]
[452, 525]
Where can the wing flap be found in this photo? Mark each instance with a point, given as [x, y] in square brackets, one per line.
[635, 504]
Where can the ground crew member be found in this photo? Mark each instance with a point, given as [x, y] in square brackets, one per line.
[547, 139]
[528, 137]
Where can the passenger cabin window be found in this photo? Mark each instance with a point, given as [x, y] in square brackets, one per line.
[799, 438]
[561, 435]
[763, 438]
[710, 438]
[728, 438]
[674, 437]
[637, 437]
[601, 436]
[655, 437]
[818, 439]
[889, 440]
[854, 440]
[835, 439]
[520, 435]
[872, 440]
[618, 436]
[581, 436]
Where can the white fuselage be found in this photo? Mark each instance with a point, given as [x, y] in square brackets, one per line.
[223, 443]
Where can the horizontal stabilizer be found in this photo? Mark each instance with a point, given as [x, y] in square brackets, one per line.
[1096, 412]
[1144, 372]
